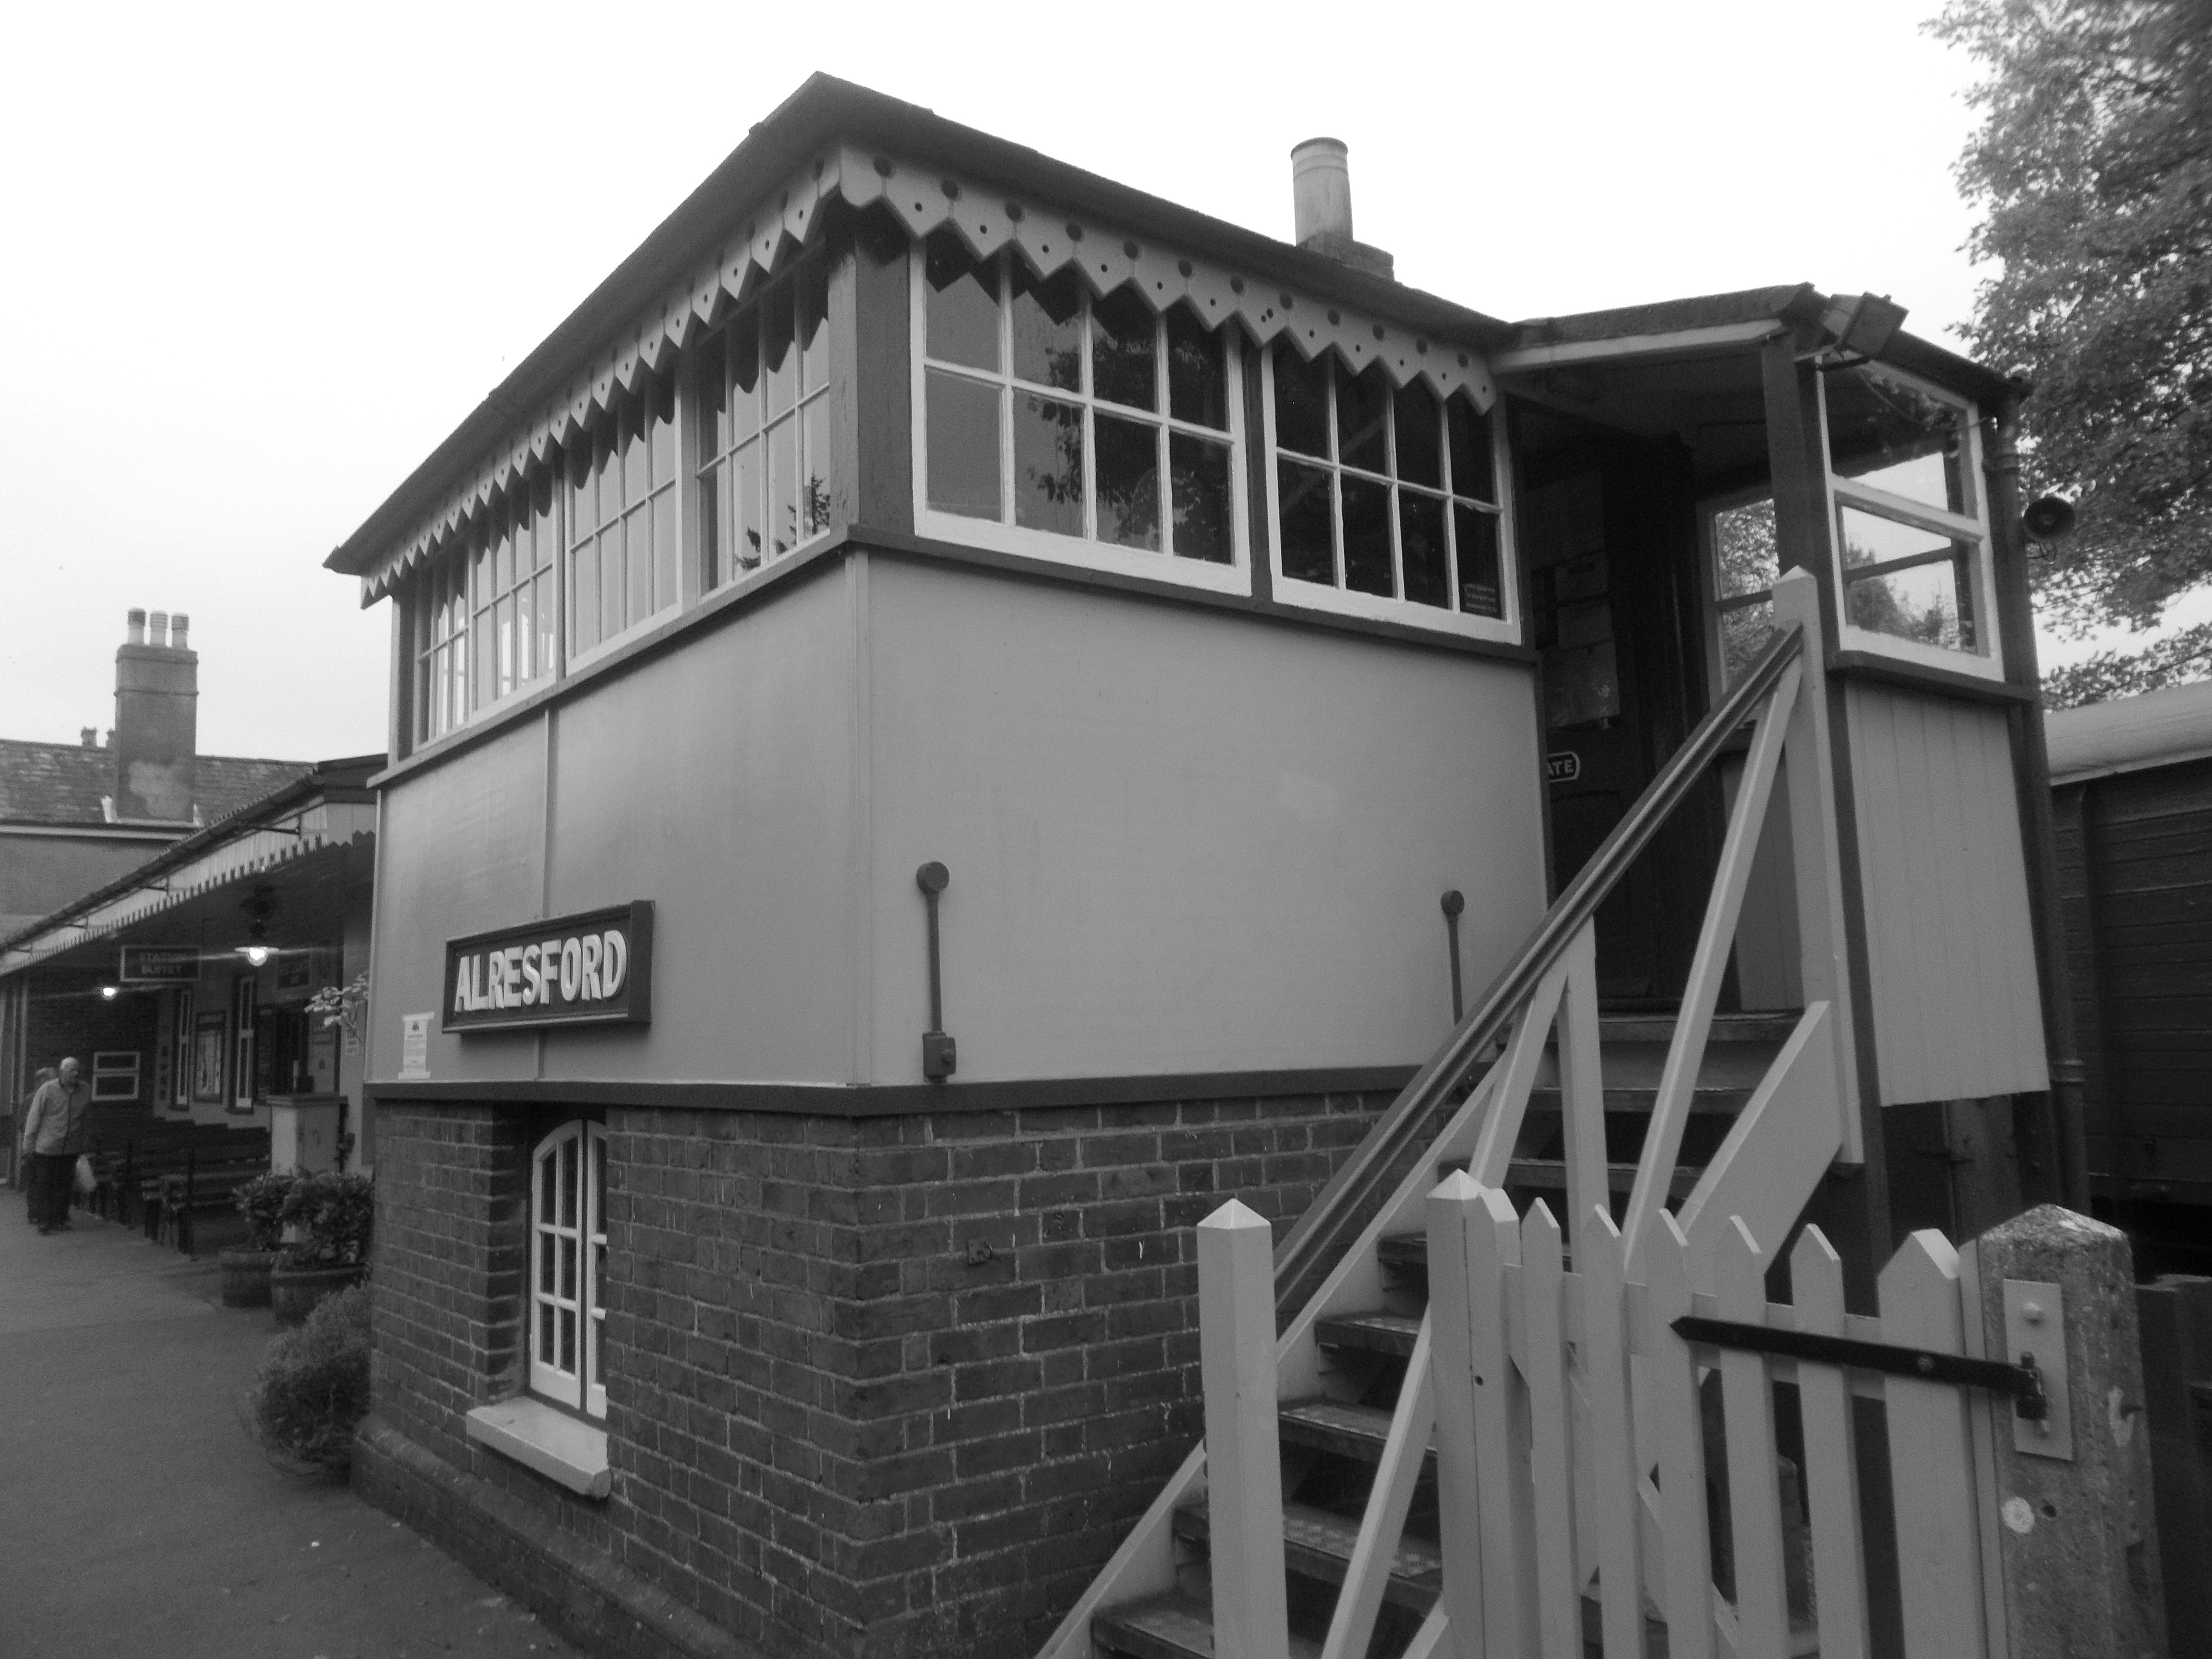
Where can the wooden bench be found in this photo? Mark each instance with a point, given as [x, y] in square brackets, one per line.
[201, 1189]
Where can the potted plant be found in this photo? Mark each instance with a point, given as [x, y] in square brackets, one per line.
[245, 1269]
[328, 1218]
[312, 1388]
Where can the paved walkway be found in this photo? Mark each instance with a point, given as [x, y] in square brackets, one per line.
[137, 1520]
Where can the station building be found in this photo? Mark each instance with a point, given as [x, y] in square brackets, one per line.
[955, 716]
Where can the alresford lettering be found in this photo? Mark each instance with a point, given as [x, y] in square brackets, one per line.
[588, 968]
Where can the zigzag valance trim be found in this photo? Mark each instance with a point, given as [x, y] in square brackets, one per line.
[925, 200]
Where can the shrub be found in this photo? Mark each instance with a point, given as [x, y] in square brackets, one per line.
[333, 1213]
[312, 1385]
[261, 1201]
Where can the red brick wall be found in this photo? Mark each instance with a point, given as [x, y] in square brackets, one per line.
[831, 1430]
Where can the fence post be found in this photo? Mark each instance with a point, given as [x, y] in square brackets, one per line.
[1244, 1459]
[2075, 1532]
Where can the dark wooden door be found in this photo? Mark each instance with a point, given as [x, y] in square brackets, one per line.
[1609, 529]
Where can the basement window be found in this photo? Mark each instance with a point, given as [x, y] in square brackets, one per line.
[568, 1267]
[1074, 426]
[1386, 501]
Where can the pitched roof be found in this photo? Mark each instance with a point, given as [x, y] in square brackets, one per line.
[2156, 728]
[62, 784]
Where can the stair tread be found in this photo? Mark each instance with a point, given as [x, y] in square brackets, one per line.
[1320, 1543]
[1338, 1426]
[1773, 1025]
[1551, 1174]
[1171, 1626]
[1639, 1099]
[1377, 1332]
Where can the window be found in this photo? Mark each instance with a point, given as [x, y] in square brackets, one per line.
[115, 1074]
[484, 617]
[624, 564]
[568, 1267]
[1744, 561]
[1055, 423]
[1911, 538]
[1384, 498]
[765, 439]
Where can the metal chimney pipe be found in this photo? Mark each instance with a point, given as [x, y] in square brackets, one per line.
[1321, 189]
[178, 624]
[157, 629]
[134, 620]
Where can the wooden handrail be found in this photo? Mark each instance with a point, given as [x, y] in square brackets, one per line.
[1334, 1217]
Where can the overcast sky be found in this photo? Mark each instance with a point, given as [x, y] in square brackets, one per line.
[266, 258]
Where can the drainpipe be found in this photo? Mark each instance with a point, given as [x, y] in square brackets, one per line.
[2068, 1139]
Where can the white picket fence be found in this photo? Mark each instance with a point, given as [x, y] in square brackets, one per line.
[1578, 1472]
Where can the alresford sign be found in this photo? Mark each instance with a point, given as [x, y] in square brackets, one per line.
[595, 969]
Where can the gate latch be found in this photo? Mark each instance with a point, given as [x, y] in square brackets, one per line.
[2035, 1329]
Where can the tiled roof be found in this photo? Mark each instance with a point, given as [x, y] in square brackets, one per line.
[62, 783]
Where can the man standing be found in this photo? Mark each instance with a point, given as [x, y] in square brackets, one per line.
[53, 1135]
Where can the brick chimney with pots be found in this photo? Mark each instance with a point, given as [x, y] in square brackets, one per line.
[157, 740]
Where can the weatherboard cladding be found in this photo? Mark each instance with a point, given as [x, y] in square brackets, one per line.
[64, 784]
[925, 199]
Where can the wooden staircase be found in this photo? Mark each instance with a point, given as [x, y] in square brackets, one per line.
[1335, 1431]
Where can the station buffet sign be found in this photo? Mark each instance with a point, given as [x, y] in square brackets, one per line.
[591, 968]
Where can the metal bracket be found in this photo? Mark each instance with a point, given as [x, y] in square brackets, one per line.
[2023, 1382]
[2035, 1329]
[1453, 902]
[939, 1058]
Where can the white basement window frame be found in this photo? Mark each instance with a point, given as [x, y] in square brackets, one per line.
[567, 1315]
[1910, 521]
[1076, 352]
[1466, 578]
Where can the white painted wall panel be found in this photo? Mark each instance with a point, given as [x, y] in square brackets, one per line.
[1956, 1011]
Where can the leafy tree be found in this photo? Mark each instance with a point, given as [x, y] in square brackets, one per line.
[2094, 165]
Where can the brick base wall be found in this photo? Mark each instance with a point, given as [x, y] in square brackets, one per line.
[879, 1389]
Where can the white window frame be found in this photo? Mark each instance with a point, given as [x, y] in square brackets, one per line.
[685, 497]
[1716, 603]
[1005, 536]
[1986, 659]
[583, 1389]
[1506, 630]
[112, 1067]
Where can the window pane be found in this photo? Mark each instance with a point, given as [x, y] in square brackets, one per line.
[782, 482]
[712, 372]
[1362, 405]
[814, 474]
[750, 538]
[1124, 366]
[1129, 482]
[964, 446]
[526, 631]
[637, 468]
[1746, 557]
[1899, 438]
[566, 1320]
[1421, 548]
[743, 417]
[779, 361]
[1199, 474]
[1308, 521]
[1470, 450]
[547, 534]
[1475, 538]
[661, 407]
[1419, 438]
[608, 472]
[1048, 464]
[612, 589]
[960, 304]
[1367, 535]
[584, 597]
[1198, 379]
[1047, 327]
[504, 627]
[502, 560]
[664, 549]
[583, 503]
[1301, 403]
[546, 621]
[714, 548]
[1743, 635]
[567, 1183]
[813, 334]
[1930, 600]
[549, 1195]
[484, 648]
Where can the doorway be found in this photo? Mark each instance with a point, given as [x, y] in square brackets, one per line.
[1609, 527]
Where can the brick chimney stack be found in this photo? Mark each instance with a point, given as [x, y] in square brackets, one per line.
[157, 741]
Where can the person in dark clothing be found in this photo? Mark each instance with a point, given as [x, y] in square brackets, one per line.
[31, 1191]
[53, 1135]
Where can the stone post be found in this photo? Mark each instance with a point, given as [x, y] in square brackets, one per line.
[2077, 1545]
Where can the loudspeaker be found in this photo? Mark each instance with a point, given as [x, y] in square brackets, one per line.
[2048, 518]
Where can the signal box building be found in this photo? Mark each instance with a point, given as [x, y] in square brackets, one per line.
[955, 716]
